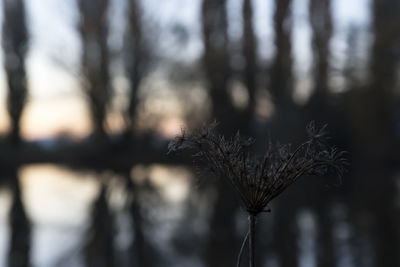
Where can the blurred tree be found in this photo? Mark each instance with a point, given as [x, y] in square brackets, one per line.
[281, 89]
[136, 62]
[371, 114]
[20, 240]
[14, 42]
[321, 24]
[135, 59]
[281, 78]
[380, 100]
[249, 51]
[216, 61]
[385, 57]
[222, 234]
[318, 105]
[15, 39]
[371, 109]
[250, 55]
[93, 28]
[100, 246]
[141, 251]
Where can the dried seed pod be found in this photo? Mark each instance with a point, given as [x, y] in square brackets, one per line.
[259, 180]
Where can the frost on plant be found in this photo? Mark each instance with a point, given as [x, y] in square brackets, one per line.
[258, 180]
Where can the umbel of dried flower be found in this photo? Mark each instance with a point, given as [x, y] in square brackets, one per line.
[258, 180]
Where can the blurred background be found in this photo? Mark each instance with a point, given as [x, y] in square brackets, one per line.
[91, 92]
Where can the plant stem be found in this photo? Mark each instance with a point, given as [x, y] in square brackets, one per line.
[239, 259]
[252, 228]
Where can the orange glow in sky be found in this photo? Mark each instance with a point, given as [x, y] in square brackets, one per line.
[59, 115]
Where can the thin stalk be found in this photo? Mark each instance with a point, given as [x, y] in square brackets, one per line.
[252, 231]
[239, 259]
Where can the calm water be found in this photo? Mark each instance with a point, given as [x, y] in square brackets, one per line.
[58, 202]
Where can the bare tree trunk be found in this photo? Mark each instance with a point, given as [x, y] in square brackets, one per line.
[216, 60]
[384, 63]
[14, 43]
[372, 110]
[281, 78]
[321, 24]
[93, 28]
[135, 60]
[250, 55]
[20, 241]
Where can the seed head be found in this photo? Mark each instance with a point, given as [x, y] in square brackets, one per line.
[258, 180]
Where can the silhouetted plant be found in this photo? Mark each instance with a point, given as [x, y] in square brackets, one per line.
[258, 180]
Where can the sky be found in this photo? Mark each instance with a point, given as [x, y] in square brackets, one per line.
[55, 49]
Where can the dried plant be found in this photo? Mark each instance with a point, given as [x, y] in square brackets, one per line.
[258, 180]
